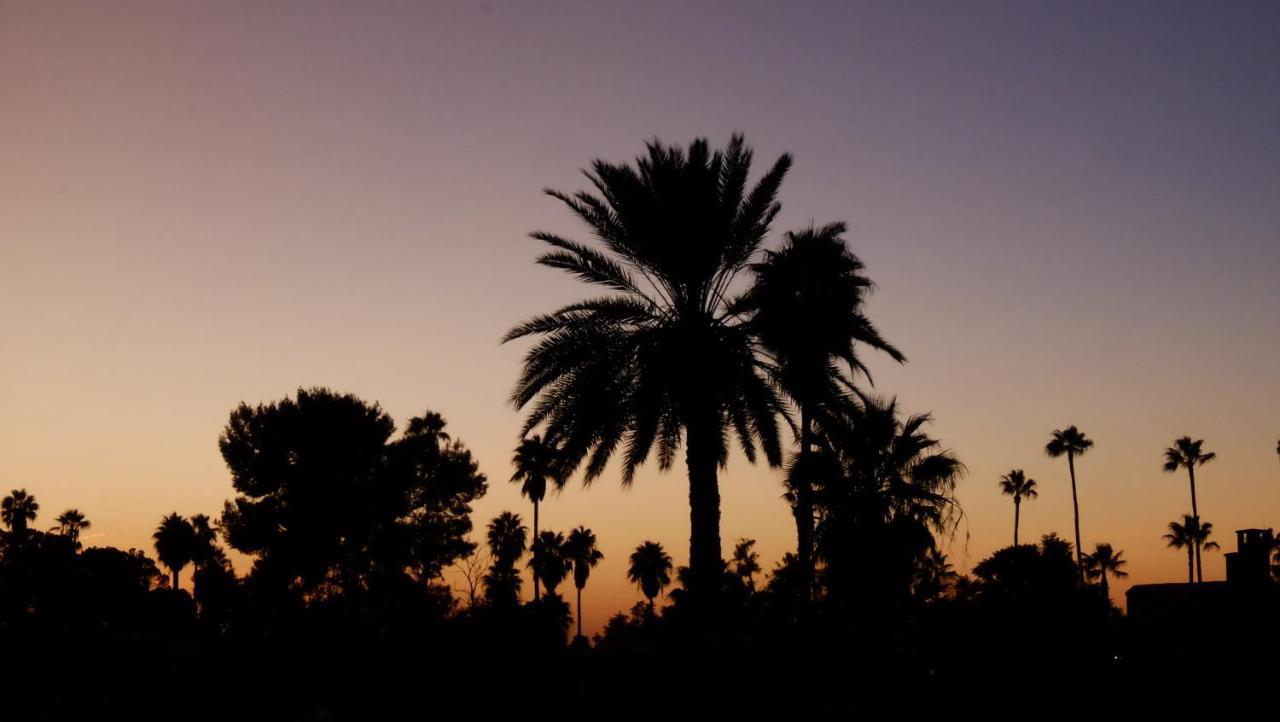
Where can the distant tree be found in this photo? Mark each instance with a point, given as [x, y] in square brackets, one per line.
[650, 569]
[1071, 442]
[582, 551]
[175, 544]
[664, 361]
[895, 490]
[935, 576]
[1192, 535]
[806, 308]
[1104, 562]
[332, 507]
[746, 562]
[550, 561]
[507, 538]
[1017, 485]
[17, 511]
[70, 523]
[536, 462]
[1188, 454]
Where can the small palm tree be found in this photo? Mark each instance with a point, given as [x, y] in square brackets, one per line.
[1192, 535]
[17, 510]
[1017, 485]
[536, 462]
[175, 543]
[1105, 561]
[507, 538]
[582, 551]
[746, 562]
[650, 570]
[1071, 442]
[70, 523]
[1188, 454]
[549, 562]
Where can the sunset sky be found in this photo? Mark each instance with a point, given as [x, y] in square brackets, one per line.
[1071, 210]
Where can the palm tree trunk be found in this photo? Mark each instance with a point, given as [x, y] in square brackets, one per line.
[175, 580]
[1075, 506]
[536, 591]
[1017, 510]
[1191, 555]
[1195, 512]
[705, 560]
[804, 514]
[1199, 569]
[579, 611]
[1106, 591]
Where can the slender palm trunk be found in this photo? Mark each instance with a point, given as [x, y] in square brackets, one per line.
[1075, 506]
[804, 513]
[1106, 590]
[579, 611]
[1195, 512]
[536, 591]
[175, 579]
[1017, 510]
[705, 560]
[1199, 569]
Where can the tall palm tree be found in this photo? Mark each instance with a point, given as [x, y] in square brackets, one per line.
[17, 510]
[507, 537]
[662, 360]
[1188, 454]
[806, 309]
[1017, 485]
[549, 562]
[1192, 535]
[1105, 561]
[536, 462]
[650, 569]
[175, 543]
[1071, 442]
[581, 550]
[204, 541]
[746, 562]
[70, 523]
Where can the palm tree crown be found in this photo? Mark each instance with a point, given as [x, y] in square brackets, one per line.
[17, 510]
[581, 550]
[175, 544]
[549, 563]
[1105, 561]
[1192, 534]
[507, 538]
[650, 569]
[70, 523]
[663, 359]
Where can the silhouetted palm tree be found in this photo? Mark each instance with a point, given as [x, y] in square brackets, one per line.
[507, 538]
[936, 575]
[1017, 485]
[746, 562]
[1188, 454]
[1192, 534]
[1071, 442]
[1105, 561]
[806, 310]
[536, 462]
[549, 562]
[582, 551]
[650, 570]
[174, 542]
[663, 360]
[70, 523]
[17, 510]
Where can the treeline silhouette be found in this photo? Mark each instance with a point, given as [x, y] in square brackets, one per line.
[701, 340]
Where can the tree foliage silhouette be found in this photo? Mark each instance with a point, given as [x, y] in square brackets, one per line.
[507, 537]
[662, 360]
[17, 511]
[1017, 485]
[649, 568]
[1103, 562]
[1193, 535]
[581, 550]
[71, 523]
[1188, 454]
[536, 462]
[175, 544]
[806, 309]
[1071, 442]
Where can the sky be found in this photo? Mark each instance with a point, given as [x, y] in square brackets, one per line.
[1071, 212]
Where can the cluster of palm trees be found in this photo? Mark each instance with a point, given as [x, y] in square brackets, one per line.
[19, 509]
[180, 541]
[1191, 533]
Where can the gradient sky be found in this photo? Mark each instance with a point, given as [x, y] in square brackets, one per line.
[1072, 211]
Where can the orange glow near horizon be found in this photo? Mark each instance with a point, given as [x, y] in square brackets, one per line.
[203, 205]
